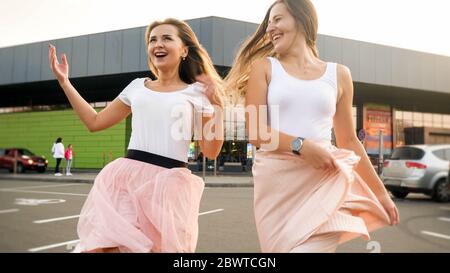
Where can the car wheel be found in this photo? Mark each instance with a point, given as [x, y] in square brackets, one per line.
[399, 194]
[441, 191]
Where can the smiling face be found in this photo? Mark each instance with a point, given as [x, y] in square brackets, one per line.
[165, 48]
[282, 28]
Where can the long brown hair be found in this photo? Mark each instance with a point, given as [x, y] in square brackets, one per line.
[259, 44]
[196, 62]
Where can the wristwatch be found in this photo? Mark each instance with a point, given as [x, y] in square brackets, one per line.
[296, 145]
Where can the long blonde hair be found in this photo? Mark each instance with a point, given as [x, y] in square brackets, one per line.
[196, 62]
[259, 45]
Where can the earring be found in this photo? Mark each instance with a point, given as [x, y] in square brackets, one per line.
[184, 58]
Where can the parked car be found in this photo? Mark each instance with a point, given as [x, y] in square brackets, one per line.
[419, 169]
[26, 160]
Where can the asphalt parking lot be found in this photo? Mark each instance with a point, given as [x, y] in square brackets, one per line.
[42, 217]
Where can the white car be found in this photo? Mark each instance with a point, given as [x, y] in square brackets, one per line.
[420, 169]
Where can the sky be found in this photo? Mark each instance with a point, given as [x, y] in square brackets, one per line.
[412, 24]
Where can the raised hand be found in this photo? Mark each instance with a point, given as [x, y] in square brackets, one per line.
[390, 208]
[210, 89]
[60, 70]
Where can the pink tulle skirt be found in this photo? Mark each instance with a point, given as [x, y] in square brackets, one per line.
[293, 201]
[140, 207]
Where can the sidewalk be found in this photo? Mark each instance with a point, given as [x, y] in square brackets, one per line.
[221, 180]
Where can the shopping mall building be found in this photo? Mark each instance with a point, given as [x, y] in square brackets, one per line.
[403, 93]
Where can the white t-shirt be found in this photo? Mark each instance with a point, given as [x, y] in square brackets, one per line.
[163, 123]
[58, 150]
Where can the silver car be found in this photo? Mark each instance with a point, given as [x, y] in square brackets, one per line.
[420, 169]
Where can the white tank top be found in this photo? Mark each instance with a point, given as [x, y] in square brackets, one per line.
[306, 107]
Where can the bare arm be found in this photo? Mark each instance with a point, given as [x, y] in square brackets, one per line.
[346, 138]
[345, 132]
[211, 147]
[111, 115]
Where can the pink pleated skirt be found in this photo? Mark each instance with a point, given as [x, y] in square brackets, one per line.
[294, 201]
[140, 207]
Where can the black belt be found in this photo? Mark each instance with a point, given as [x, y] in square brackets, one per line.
[155, 159]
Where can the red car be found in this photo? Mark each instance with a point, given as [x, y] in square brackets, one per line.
[26, 160]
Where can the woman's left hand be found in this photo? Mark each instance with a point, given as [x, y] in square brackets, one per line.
[210, 89]
[390, 208]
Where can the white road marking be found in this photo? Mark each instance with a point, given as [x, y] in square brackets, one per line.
[8, 211]
[41, 248]
[42, 186]
[434, 234]
[37, 202]
[55, 219]
[445, 219]
[37, 249]
[210, 211]
[46, 192]
[76, 216]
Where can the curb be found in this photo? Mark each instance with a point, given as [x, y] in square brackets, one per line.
[90, 181]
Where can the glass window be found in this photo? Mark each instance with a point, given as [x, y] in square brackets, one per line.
[437, 121]
[417, 119]
[26, 152]
[447, 154]
[446, 121]
[428, 120]
[417, 116]
[407, 153]
[407, 123]
[440, 154]
[407, 115]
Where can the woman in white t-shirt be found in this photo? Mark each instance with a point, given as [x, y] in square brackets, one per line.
[148, 201]
[58, 154]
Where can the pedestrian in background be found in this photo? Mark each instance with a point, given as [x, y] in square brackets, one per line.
[68, 154]
[58, 154]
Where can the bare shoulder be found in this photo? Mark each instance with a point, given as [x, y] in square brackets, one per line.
[261, 66]
[261, 62]
[343, 72]
[345, 82]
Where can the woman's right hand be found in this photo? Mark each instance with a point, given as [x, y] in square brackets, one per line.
[317, 156]
[60, 70]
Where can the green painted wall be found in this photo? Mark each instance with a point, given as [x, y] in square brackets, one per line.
[37, 131]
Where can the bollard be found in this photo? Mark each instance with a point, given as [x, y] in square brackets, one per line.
[380, 152]
[204, 167]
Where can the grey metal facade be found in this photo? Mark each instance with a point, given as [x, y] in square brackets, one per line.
[123, 51]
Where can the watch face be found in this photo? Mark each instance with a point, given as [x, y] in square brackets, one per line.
[296, 144]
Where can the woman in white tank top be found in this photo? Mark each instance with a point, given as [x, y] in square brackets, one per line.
[148, 201]
[309, 196]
